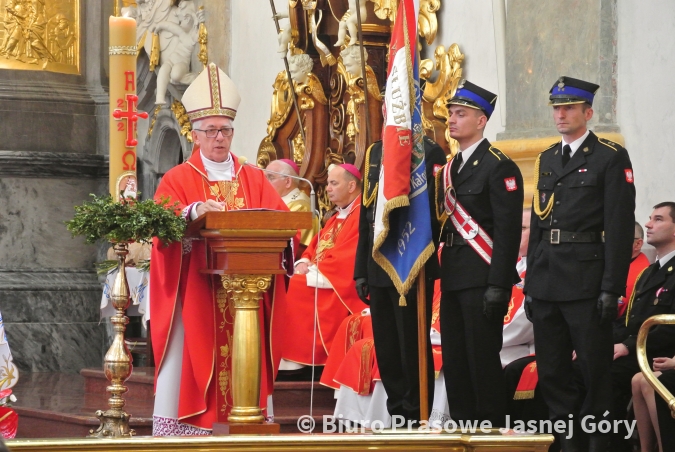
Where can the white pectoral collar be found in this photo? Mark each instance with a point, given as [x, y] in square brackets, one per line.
[291, 196]
[218, 170]
[576, 144]
[344, 212]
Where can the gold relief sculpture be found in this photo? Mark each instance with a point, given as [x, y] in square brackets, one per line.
[40, 35]
[449, 67]
[298, 147]
[386, 9]
[182, 117]
[153, 121]
[427, 23]
[356, 97]
[203, 42]
[266, 153]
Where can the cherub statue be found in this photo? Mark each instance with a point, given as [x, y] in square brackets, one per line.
[301, 66]
[285, 35]
[175, 58]
[351, 58]
[349, 23]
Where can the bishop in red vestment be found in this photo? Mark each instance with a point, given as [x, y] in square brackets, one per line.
[182, 299]
[325, 269]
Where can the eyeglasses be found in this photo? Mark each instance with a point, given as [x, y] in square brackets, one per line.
[273, 177]
[212, 133]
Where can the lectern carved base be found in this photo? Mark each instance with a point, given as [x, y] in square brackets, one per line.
[246, 292]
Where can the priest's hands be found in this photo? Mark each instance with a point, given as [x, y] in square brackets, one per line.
[496, 302]
[209, 206]
[607, 307]
[362, 290]
[302, 268]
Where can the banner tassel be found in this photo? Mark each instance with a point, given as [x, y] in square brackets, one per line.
[401, 301]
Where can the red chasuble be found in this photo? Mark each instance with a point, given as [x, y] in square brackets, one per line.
[175, 277]
[334, 250]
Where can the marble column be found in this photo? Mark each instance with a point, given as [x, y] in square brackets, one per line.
[54, 132]
[545, 40]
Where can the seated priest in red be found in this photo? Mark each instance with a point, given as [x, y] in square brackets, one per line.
[182, 299]
[324, 272]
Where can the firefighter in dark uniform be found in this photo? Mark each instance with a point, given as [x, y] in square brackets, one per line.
[480, 196]
[580, 249]
[653, 294]
[394, 326]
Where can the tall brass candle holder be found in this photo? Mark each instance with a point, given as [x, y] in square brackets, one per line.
[117, 362]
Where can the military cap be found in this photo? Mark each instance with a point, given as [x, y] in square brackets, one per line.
[474, 96]
[568, 91]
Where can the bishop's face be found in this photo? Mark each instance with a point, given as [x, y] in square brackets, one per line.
[216, 149]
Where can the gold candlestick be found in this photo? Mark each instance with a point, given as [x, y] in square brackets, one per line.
[117, 363]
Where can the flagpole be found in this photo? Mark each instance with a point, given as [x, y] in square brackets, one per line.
[422, 338]
[290, 79]
[363, 71]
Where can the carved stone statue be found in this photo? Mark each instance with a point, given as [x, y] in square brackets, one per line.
[349, 22]
[175, 57]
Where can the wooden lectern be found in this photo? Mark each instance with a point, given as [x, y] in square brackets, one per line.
[244, 248]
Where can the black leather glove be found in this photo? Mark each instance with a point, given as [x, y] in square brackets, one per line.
[362, 290]
[496, 302]
[527, 307]
[607, 307]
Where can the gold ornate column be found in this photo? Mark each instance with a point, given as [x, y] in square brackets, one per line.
[246, 292]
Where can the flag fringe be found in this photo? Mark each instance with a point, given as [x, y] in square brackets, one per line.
[524, 395]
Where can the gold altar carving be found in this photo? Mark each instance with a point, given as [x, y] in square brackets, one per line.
[117, 361]
[282, 101]
[427, 23]
[438, 92]
[40, 35]
[246, 292]
[183, 120]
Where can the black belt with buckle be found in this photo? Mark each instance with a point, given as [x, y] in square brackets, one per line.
[556, 236]
[454, 239]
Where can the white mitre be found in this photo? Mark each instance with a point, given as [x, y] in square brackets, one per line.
[212, 93]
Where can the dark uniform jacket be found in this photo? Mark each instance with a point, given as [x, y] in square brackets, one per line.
[482, 187]
[593, 193]
[644, 303]
[366, 267]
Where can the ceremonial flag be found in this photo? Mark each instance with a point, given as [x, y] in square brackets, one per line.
[403, 241]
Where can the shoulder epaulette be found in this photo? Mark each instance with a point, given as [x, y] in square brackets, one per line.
[608, 143]
[551, 146]
[432, 142]
[497, 153]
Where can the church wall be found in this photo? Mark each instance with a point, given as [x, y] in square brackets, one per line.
[53, 129]
[645, 97]
[253, 68]
[469, 24]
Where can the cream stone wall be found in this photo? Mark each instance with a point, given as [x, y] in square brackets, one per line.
[253, 67]
[469, 24]
[645, 97]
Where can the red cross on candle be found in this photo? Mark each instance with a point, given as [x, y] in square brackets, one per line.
[131, 115]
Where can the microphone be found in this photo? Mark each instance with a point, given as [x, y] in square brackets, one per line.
[244, 161]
